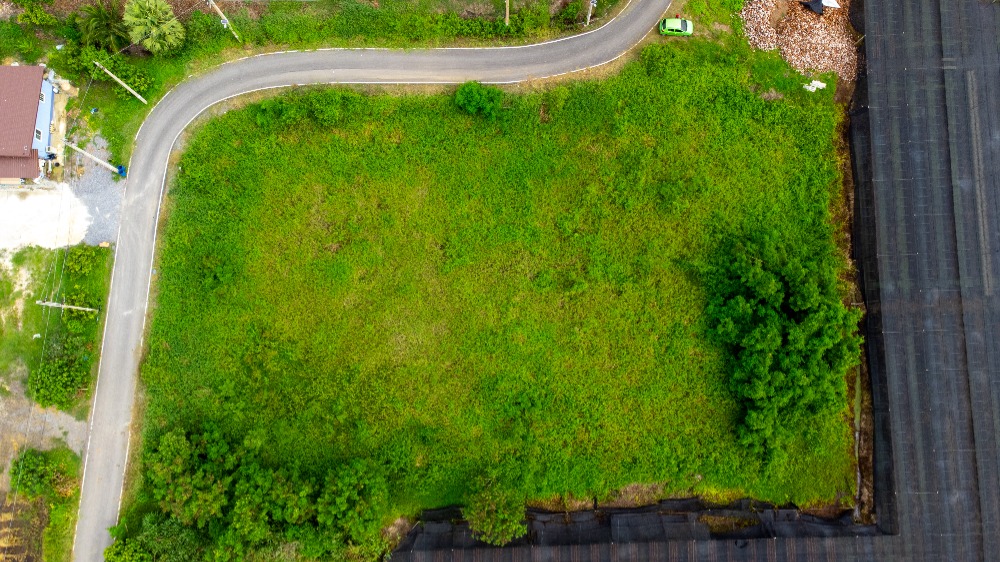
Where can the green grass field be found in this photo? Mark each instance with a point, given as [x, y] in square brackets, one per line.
[451, 298]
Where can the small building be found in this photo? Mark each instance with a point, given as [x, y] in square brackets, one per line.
[26, 112]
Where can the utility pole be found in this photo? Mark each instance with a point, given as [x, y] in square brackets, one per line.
[225, 20]
[506, 13]
[119, 170]
[69, 306]
[590, 8]
[123, 84]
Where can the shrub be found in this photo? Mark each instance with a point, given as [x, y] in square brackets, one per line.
[555, 99]
[34, 14]
[137, 78]
[476, 98]
[569, 15]
[775, 307]
[15, 40]
[64, 372]
[496, 517]
[126, 551]
[48, 474]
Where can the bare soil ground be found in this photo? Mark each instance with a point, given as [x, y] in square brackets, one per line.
[21, 523]
[24, 424]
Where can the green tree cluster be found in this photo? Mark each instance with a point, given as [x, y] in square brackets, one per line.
[775, 306]
[225, 494]
[478, 99]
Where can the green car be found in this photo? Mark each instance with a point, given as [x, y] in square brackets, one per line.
[676, 26]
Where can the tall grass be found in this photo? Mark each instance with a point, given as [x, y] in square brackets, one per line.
[392, 279]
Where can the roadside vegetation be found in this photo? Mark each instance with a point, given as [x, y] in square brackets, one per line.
[152, 47]
[372, 305]
[48, 355]
[50, 480]
[58, 347]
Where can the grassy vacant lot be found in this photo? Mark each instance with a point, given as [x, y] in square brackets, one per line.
[456, 299]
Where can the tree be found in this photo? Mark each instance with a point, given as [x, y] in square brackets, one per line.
[102, 26]
[191, 478]
[775, 307]
[353, 501]
[152, 24]
[479, 99]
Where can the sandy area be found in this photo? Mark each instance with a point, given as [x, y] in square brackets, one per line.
[50, 218]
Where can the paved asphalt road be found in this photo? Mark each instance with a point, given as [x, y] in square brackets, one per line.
[111, 415]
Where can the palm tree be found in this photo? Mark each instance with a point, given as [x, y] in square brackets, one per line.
[101, 26]
[151, 23]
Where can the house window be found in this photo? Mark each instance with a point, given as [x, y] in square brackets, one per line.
[38, 135]
[41, 97]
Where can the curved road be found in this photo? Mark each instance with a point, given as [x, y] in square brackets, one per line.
[111, 414]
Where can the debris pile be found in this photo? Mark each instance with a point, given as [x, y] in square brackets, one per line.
[808, 41]
[757, 26]
[7, 10]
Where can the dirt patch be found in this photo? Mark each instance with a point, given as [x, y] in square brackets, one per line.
[564, 503]
[25, 424]
[635, 495]
[726, 523]
[858, 380]
[771, 95]
[21, 525]
[49, 217]
[397, 531]
[864, 446]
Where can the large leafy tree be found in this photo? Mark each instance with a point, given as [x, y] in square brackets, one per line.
[101, 26]
[191, 478]
[775, 306]
[151, 23]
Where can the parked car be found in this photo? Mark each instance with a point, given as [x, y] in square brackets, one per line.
[676, 26]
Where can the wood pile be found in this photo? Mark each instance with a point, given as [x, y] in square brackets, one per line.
[808, 41]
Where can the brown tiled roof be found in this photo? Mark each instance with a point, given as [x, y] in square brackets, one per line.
[20, 166]
[19, 88]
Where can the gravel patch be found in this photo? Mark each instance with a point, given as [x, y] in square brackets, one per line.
[97, 189]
